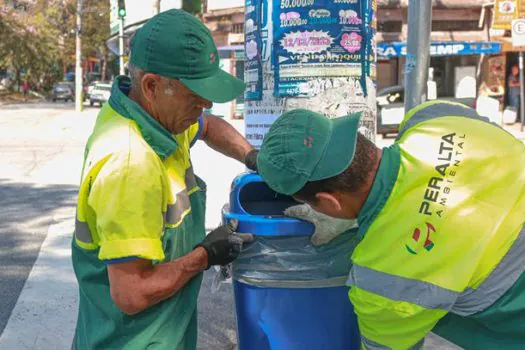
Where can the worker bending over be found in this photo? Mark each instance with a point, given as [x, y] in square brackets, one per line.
[441, 220]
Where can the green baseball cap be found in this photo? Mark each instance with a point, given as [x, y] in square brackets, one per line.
[303, 146]
[174, 44]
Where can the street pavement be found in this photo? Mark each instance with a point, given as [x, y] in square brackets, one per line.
[41, 150]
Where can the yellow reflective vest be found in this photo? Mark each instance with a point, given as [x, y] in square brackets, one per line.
[138, 198]
[443, 245]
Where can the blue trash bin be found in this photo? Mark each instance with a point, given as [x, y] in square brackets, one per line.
[288, 293]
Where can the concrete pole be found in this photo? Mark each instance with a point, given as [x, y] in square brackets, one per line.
[418, 52]
[78, 60]
[281, 35]
[121, 45]
[155, 7]
[522, 91]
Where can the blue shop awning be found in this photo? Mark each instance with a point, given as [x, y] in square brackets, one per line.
[448, 48]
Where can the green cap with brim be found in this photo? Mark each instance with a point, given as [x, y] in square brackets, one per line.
[303, 146]
[174, 44]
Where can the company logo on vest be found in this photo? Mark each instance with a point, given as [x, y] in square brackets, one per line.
[414, 245]
[439, 189]
[440, 186]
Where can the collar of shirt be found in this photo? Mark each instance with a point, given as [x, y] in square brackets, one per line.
[384, 181]
[160, 139]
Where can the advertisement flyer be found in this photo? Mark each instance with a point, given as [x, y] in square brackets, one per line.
[320, 39]
[253, 48]
[260, 116]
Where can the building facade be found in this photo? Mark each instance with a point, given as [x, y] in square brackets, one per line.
[467, 59]
[461, 43]
[225, 19]
[497, 69]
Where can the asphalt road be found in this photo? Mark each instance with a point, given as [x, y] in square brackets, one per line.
[32, 138]
[41, 150]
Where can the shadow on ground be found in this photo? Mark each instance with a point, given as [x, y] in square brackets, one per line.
[27, 210]
[217, 328]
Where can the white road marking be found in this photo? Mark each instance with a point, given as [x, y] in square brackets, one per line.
[44, 316]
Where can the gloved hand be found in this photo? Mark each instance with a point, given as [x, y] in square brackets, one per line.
[251, 160]
[326, 228]
[223, 245]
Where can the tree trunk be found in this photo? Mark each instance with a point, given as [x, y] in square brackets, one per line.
[104, 73]
[17, 79]
[155, 7]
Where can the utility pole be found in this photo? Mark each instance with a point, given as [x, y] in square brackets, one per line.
[418, 52]
[121, 45]
[121, 15]
[78, 60]
[156, 7]
[301, 54]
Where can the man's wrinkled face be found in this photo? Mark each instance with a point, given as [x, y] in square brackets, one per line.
[177, 107]
[515, 70]
[181, 107]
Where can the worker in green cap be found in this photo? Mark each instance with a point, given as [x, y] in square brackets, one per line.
[140, 247]
[440, 219]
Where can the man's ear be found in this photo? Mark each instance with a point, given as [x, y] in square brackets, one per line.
[150, 84]
[328, 200]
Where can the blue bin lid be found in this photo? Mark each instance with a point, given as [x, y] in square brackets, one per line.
[270, 223]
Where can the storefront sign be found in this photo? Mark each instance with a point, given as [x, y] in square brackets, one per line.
[398, 49]
[507, 10]
[320, 39]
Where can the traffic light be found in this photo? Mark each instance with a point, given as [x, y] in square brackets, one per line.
[121, 8]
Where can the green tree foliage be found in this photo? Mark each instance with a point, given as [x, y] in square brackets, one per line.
[26, 44]
[38, 38]
[95, 30]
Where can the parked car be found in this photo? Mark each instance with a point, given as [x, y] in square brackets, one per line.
[99, 94]
[64, 90]
[90, 87]
[391, 109]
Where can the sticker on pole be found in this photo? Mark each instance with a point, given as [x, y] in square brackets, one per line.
[253, 47]
[518, 32]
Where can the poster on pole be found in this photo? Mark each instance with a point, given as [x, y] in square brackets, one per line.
[320, 39]
[253, 48]
[260, 116]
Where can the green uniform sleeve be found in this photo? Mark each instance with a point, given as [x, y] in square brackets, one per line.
[127, 199]
[389, 324]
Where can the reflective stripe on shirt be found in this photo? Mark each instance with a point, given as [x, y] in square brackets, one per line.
[176, 211]
[372, 345]
[82, 232]
[432, 296]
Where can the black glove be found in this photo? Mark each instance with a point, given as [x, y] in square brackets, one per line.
[251, 160]
[223, 245]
